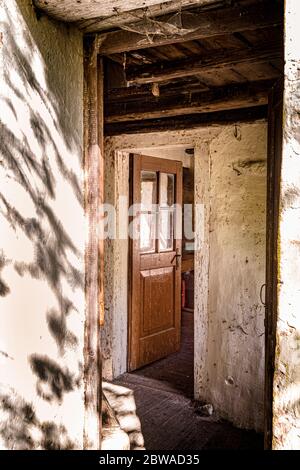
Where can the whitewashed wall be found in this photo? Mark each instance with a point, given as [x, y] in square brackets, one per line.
[42, 231]
[236, 273]
[286, 389]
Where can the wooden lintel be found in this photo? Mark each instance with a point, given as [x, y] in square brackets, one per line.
[187, 122]
[170, 70]
[203, 24]
[218, 99]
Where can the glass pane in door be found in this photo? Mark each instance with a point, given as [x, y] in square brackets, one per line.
[166, 190]
[148, 211]
[166, 211]
[166, 229]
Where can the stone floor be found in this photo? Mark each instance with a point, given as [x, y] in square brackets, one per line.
[163, 394]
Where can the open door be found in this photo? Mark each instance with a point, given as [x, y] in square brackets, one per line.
[275, 124]
[155, 318]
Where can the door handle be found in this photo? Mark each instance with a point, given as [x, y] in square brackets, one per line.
[260, 294]
[177, 258]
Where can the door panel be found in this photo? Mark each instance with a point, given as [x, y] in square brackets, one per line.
[155, 285]
[154, 323]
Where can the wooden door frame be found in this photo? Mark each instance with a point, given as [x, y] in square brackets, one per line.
[94, 257]
[272, 243]
[196, 138]
[115, 146]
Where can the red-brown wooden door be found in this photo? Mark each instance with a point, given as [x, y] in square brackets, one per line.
[155, 313]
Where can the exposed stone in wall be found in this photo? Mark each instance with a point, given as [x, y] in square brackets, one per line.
[42, 231]
[286, 406]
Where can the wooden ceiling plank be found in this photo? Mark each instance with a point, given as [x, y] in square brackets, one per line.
[205, 24]
[219, 99]
[172, 52]
[260, 71]
[156, 54]
[209, 63]
[190, 48]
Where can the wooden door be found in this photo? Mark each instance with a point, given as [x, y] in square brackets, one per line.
[154, 323]
[275, 123]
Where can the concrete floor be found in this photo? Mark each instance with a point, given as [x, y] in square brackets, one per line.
[163, 394]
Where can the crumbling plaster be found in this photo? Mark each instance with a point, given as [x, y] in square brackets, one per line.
[286, 389]
[42, 270]
[230, 180]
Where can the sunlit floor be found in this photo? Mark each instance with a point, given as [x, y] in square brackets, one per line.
[163, 395]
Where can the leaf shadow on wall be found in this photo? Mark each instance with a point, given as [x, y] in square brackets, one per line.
[21, 429]
[52, 245]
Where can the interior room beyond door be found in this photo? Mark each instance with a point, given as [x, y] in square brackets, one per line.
[155, 320]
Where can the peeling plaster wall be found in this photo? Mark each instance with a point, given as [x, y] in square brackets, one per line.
[114, 332]
[286, 405]
[236, 273]
[230, 181]
[42, 231]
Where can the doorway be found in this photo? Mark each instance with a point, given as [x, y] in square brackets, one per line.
[155, 260]
[161, 265]
[229, 165]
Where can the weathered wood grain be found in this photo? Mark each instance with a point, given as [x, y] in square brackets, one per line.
[170, 70]
[219, 99]
[92, 366]
[73, 10]
[187, 122]
[101, 23]
[204, 24]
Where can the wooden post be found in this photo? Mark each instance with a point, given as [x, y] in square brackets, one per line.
[93, 153]
[100, 116]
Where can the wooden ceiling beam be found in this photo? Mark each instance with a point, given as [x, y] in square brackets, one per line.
[187, 122]
[170, 70]
[135, 93]
[74, 10]
[122, 18]
[218, 99]
[203, 25]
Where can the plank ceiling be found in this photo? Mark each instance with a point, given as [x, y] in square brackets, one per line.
[99, 15]
[223, 63]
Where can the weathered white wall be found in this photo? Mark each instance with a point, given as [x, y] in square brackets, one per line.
[114, 332]
[42, 231]
[230, 181]
[286, 389]
[236, 272]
